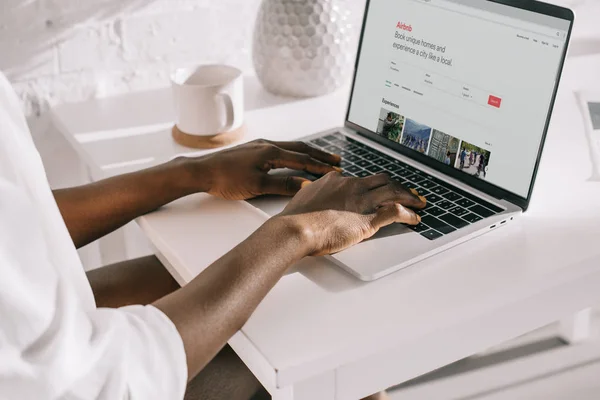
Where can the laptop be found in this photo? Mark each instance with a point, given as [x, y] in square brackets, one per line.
[452, 98]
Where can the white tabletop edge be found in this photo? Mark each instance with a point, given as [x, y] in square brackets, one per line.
[169, 258]
[254, 360]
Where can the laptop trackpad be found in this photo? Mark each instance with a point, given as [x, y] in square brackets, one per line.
[272, 205]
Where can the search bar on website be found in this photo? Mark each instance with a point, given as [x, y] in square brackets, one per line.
[419, 81]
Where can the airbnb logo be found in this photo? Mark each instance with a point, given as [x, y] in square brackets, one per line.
[404, 27]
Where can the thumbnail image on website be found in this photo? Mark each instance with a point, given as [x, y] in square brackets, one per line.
[416, 136]
[390, 125]
[473, 160]
[445, 148]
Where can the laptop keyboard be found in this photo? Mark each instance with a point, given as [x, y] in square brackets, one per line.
[448, 208]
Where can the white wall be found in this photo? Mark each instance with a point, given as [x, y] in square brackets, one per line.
[70, 50]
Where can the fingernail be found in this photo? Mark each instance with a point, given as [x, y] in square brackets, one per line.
[414, 191]
[423, 199]
[419, 218]
[338, 169]
[305, 184]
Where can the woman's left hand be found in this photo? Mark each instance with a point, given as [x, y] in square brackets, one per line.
[242, 172]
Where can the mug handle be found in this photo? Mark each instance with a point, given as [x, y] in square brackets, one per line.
[230, 112]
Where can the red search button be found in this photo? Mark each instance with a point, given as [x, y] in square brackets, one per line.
[494, 101]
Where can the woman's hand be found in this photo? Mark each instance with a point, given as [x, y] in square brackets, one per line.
[325, 217]
[336, 212]
[241, 172]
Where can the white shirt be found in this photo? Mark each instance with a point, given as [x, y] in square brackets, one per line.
[54, 342]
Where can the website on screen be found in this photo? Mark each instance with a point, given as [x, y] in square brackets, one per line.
[468, 86]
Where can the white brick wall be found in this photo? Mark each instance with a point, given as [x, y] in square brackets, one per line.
[70, 50]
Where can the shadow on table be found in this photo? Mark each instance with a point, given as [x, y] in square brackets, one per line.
[256, 97]
[478, 362]
[326, 274]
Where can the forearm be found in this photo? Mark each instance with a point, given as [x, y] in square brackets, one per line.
[94, 210]
[215, 305]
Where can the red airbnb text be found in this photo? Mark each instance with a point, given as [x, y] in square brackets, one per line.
[404, 27]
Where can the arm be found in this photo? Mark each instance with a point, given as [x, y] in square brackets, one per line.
[106, 354]
[94, 210]
[210, 309]
[324, 217]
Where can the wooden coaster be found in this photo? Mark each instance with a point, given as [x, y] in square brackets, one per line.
[208, 142]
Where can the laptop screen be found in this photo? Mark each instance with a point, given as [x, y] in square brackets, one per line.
[468, 83]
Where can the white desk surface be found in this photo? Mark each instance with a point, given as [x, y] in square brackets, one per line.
[320, 325]
[531, 272]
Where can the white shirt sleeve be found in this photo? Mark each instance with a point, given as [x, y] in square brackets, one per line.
[54, 347]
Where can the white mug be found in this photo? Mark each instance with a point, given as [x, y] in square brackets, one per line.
[209, 99]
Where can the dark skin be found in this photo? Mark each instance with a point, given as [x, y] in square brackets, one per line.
[94, 210]
[324, 217]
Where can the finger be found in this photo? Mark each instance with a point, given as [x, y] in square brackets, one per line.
[395, 192]
[283, 185]
[394, 213]
[301, 162]
[375, 181]
[301, 147]
[416, 193]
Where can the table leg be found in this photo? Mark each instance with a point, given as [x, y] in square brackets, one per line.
[577, 327]
[283, 394]
[113, 247]
[321, 387]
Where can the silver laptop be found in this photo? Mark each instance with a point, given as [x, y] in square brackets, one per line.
[452, 98]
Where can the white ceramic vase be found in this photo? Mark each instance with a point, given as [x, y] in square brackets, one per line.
[303, 48]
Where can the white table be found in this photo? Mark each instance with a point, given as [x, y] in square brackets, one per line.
[321, 334]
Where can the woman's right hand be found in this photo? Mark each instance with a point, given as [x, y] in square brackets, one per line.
[337, 212]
